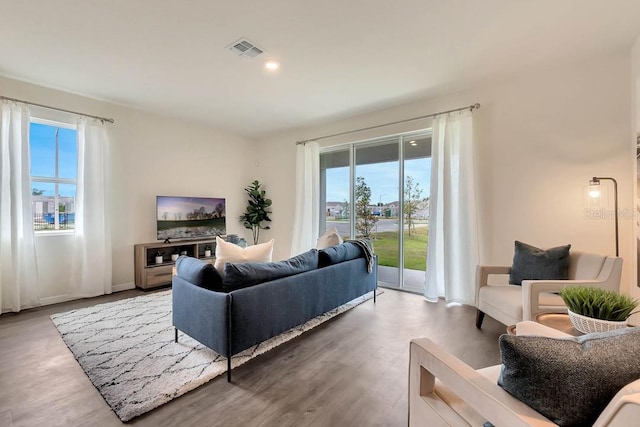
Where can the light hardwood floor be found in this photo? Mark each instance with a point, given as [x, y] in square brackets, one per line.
[350, 371]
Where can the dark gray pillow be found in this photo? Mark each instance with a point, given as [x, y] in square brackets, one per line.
[244, 274]
[339, 253]
[198, 272]
[531, 263]
[569, 380]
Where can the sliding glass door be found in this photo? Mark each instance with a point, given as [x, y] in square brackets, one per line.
[335, 191]
[416, 185]
[376, 196]
[380, 189]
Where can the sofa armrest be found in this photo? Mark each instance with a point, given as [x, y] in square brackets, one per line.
[201, 314]
[624, 408]
[531, 290]
[483, 272]
[428, 361]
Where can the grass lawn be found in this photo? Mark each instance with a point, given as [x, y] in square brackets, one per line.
[385, 246]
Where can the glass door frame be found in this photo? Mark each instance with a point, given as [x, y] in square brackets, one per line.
[352, 147]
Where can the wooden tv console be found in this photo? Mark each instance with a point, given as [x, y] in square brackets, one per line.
[150, 275]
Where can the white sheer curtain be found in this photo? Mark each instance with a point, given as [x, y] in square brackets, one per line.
[18, 267]
[91, 262]
[453, 233]
[307, 209]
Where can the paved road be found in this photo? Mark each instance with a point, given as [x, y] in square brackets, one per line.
[382, 225]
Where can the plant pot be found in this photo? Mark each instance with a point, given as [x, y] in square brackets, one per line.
[159, 259]
[174, 257]
[207, 253]
[589, 325]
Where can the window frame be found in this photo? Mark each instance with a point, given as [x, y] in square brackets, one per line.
[353, 146]
[56, 180]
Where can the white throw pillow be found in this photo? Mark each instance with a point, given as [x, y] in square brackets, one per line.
[331, 237]
[230, 252]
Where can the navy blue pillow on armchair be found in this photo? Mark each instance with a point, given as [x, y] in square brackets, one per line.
[531, 263]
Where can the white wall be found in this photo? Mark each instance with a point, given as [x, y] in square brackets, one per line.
[540, 137]
[151, 155]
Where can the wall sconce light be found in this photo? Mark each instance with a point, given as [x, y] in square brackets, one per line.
[594, 191]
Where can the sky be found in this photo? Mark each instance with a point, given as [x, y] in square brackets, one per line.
[382, 178]
[42, 144]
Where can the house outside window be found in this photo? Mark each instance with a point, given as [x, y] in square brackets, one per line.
[54, 168]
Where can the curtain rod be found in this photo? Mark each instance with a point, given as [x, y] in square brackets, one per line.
[102, 119]
[470, 107]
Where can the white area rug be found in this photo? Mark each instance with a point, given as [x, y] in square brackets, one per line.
[127, 350]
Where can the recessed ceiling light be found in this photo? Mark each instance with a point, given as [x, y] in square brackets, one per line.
[272, 65]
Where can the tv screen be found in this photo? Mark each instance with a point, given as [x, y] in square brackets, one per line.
[190, 217]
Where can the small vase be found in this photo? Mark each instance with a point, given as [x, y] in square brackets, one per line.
[207, 253]
[159, 259]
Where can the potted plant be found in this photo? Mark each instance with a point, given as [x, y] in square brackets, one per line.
[207, 251]
[159, 257]
[596, 309]
[257, 211]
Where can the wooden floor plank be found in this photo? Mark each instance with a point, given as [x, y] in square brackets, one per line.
[352, 370]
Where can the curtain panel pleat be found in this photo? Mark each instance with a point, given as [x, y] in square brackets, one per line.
[307, 202]
[18, 266]
[453, 233]
[91, 267]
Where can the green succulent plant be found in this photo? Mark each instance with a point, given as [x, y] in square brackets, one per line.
[598, 303]
[257, 210]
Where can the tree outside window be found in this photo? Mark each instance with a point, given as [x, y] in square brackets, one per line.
[365, 219]
[412, 202]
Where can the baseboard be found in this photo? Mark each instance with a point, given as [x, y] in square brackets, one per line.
[123, 287]
[64, 298]
[56, 299]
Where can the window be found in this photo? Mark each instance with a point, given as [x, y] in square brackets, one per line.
[380, 189]
[54, 168]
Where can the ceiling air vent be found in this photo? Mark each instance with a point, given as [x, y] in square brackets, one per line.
[244, 47]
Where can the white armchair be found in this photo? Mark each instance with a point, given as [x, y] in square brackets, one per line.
[510, 304]
[444, 391]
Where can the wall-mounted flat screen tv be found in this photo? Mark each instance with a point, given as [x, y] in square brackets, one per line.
[182, 218]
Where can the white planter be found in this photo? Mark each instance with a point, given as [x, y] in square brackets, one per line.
[174, 257]
[589, 325]
[159, 260]
[207, 253]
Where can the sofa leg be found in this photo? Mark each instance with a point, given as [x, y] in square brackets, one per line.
[176, 337]
[479, 318]
[229, 335]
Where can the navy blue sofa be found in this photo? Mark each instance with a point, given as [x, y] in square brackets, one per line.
[256, 301]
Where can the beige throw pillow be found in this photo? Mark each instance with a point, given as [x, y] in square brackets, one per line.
[331, 237]
[229, 252]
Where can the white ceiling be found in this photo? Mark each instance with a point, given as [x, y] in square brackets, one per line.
[338, 57]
